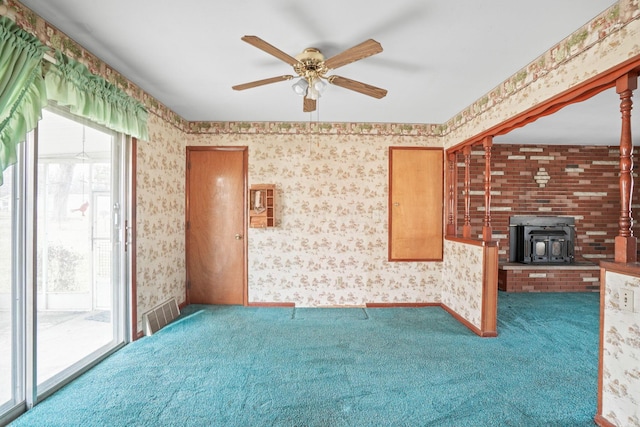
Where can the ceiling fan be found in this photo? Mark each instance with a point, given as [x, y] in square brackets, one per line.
[312, 69]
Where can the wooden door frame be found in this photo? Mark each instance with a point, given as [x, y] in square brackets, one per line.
[132, 247]
[245, 172]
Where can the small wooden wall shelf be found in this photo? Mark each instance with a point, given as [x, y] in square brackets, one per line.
[262, 200]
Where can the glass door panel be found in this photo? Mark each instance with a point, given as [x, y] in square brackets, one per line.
[75, 245]
[7, 306]
[63, 303]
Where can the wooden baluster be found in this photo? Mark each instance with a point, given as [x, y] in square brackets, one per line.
[487, 144]
[451, 201]
[625, 241]
[466, 228]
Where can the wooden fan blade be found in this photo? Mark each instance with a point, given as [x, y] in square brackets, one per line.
[308, 105]
[363, 88]
[270, 49]
[363, 50]
[261, 82]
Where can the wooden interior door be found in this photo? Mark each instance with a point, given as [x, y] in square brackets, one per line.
[216, 225]
[415, 204]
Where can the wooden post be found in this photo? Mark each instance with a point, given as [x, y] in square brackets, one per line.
[625, 241]
[466, 228]
[487, 143]
[451, 201]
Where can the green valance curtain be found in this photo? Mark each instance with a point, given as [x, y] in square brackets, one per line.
[70, 83]
[22, 90]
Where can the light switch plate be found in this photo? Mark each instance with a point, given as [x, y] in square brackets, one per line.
[626, 299]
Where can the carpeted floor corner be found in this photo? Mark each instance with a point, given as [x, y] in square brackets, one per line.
[244, 366]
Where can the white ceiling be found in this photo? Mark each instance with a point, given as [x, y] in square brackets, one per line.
[596, 121]
[439, 55]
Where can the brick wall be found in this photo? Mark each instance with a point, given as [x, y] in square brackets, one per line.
[564, 180]
[549, 279]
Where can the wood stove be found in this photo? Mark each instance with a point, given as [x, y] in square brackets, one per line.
[541, 239]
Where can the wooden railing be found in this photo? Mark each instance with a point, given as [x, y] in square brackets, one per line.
[452, 183]
[625, 241]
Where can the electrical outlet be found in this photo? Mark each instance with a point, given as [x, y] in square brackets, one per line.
[626, 300]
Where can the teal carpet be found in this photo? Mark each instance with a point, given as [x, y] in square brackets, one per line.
[240, 366]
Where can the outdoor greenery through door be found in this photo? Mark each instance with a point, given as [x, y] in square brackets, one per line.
[72, 280]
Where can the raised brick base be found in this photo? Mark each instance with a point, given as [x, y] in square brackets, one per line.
[514, 277]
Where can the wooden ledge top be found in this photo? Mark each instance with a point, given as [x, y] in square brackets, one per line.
[632, 268]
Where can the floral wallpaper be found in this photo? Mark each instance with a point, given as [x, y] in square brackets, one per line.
[462, 280]
[621, 356]
[606, 41]
[329, 246]
[160, 208]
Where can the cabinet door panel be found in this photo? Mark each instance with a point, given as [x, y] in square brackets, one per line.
[415, 204]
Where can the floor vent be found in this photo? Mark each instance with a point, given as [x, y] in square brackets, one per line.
[156, 318]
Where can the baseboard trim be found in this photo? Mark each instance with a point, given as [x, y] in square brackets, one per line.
[455, 315]
[401, 304]
[461, 319]
[465, 322]
[271, 304]
[602, 421]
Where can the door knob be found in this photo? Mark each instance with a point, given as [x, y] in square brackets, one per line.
[238, 236]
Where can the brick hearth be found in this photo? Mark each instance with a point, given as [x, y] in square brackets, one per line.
[577, 277]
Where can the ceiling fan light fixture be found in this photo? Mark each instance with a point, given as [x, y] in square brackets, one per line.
[319, 85]
[313, 94]
[315, 89]
[300, 87]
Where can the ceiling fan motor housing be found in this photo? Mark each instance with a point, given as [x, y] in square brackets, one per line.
[310, 64]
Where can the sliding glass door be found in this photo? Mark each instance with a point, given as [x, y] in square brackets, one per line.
[8, 324]
[77, 244]
[63, 297]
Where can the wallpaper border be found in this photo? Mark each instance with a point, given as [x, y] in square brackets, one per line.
[609, 22]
